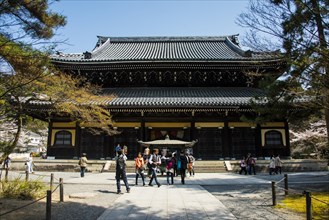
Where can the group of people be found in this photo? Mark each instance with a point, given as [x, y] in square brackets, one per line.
[248, 165]
[151, 163]
[168, 163]
[275, 166]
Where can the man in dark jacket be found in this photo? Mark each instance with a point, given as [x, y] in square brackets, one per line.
[155, 161]
[184, 160]
[120, 171]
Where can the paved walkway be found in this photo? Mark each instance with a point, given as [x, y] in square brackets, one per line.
[190, 201]
[167, 202]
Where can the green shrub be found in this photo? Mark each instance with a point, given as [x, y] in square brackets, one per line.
[19, 189]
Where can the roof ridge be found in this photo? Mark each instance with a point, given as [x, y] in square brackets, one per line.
[164, 38]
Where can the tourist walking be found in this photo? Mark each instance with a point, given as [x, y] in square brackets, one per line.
[29, 163]
[278, 164]
[83, 164]
[190, 166]
[120, 171]
[146, 157]
[162, 167]
[154, 161]
[183, 160]
[272, 165]
[243, 166]
[175, 159]
[6, 163]
[251, 162]
[170, 170]
[139, 164]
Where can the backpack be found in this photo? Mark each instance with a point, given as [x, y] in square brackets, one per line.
[169, 165]
[179, 164]
[191, 159]
[121, 162]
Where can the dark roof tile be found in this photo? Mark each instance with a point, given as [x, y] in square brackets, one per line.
[165, 49]
[170, 97]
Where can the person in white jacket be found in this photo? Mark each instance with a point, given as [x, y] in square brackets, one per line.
[29, 163]
[272, 165]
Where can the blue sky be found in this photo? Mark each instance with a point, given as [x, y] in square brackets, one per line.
[86, 19]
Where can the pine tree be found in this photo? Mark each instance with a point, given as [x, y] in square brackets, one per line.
[299, 29]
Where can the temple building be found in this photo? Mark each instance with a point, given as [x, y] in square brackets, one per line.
[185, 88]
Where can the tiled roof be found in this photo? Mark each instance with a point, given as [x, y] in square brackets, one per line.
[180, 97]
[111, 49]
[168, 97]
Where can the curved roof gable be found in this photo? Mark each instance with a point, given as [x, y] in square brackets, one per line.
[110, 49]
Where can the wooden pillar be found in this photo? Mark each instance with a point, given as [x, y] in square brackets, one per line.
[77, 147]
[286, 129]
[258, 141]
[143, 129]
[193, 136]
[50, 126]
[226, 139]
[192, 130]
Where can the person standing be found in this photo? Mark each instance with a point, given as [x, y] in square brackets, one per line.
[243, 166]
[6, 163]
[170, 170]
[154, 161]
[139, 164]
[163, 163]
[83, 164]
[272, 165]
[146, 157]
[251, 162]
[29, 163]
[190, 166]
[120, 171]
[278, 164]
[184, 160]
[175, 160]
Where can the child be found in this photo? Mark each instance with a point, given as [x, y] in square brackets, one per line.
[170, 170]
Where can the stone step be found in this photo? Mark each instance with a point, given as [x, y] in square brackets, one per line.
[292, 165]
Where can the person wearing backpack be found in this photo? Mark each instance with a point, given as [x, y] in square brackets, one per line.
[120, 171]
[154, 161]
[183, 160]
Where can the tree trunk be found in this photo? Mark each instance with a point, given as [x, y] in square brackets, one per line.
[323, 48]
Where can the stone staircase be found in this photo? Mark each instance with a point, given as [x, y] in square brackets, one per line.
[201, 166]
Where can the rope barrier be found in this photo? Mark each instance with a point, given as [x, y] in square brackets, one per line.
[319, 200]
[38, 175]
[280, 180]
[29, 203]
[55, 188]
[290, 190]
